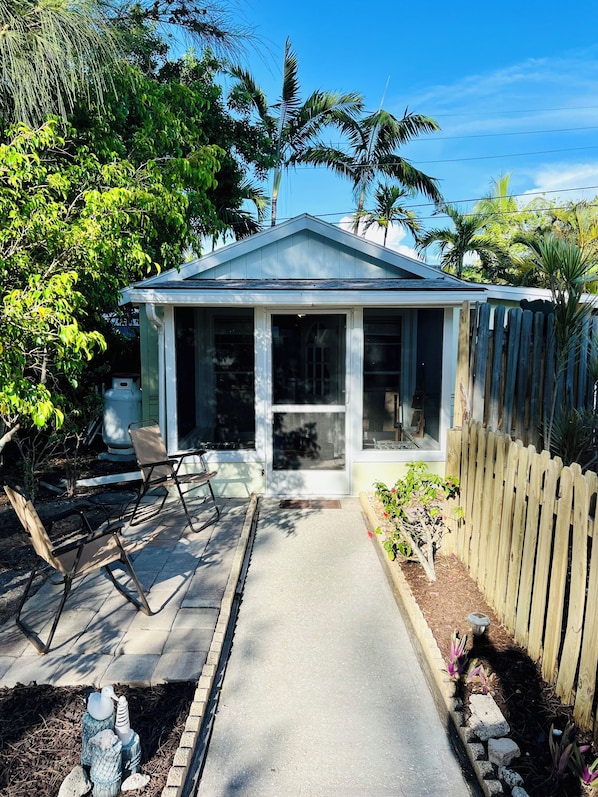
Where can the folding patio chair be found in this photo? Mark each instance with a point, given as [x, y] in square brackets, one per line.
[159, 470]
[83, 551]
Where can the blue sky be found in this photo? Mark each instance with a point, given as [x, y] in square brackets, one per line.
[514, 87]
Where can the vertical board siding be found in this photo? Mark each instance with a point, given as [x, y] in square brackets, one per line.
[513, 385]
[530, 545]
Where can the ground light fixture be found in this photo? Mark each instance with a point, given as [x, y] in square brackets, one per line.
[479, 623]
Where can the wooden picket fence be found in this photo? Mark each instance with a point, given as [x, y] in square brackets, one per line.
[527, 539]
[507, 377]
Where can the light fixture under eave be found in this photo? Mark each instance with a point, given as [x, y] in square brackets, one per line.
[479, 623]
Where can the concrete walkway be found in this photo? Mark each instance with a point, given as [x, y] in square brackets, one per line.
[102, 639]
[323, 695]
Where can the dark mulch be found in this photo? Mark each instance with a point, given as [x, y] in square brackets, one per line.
[527, 701]
[40, 734]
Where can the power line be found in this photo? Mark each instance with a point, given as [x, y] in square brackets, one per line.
[514, 133]
[433, 137]
[519, 111]
[507, 155]
[378, 164]
[463, 201]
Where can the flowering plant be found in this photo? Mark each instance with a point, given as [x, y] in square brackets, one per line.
[457, 658]
[415, 508]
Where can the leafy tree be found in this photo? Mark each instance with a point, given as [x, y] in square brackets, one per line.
[292, 125]
[465, 237]
[167, 116]
[577, 222]
[389, 209]
[50, 52]
[73, 231]
[207, 26]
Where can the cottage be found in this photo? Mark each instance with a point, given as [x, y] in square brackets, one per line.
[307, 360]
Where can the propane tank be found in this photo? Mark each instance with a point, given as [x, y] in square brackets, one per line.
[122, 406]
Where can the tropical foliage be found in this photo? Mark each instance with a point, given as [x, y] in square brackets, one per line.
[389, 209]
[293, 125]
[466, 236]
[414, 509]
[73, 231]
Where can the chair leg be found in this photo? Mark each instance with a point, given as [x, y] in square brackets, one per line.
[41, 647]
[187, 513]
[144, 488]
[141, 604]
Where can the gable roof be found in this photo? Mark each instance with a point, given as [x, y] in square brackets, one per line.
[298, 254]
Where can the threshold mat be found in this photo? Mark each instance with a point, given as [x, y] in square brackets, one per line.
[318, 503]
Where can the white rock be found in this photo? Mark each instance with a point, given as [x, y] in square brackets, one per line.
[104, 739]
[502, 751]
[76, 783]
[519, 791]
[135, 781]
[487, 720]
[510, 777]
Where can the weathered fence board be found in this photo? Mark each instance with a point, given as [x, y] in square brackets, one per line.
[485, 445]
[495, 397]
[517, 538]
[500, 564]
[513, 384]
[577, 590]
[586, 682]
[558, 575]
[538, 467]
[543, 555]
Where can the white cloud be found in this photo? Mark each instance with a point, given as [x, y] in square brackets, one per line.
[555, 177]
[396, 234]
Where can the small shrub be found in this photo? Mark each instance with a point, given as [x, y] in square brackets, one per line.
[415, 509]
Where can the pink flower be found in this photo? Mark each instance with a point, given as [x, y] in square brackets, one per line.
[370, 534]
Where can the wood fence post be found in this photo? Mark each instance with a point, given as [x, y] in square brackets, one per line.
[462, 398]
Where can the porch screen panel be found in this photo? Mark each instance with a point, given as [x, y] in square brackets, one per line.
[402, 377]
[215, 377]
[308, 391]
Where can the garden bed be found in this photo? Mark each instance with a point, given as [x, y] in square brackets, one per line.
[528, 703]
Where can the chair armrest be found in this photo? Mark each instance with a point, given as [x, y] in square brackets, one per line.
[196, 452]
[77, 541]
[171, 461]
[192, 452]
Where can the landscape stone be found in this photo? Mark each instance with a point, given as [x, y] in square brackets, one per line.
[135, 782]
[502, 751]
[519, 791]
[487, 720]
[510, 777]
[76, 783]
[493, 788]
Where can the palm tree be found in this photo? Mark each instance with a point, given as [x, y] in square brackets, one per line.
[389, 210]
[577, 222]
[373, 141]
[49, 52]
[498, 203]
[292, 125]
[466, 236]
[568, 271]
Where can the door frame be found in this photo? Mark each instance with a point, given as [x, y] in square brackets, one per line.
[292, 483]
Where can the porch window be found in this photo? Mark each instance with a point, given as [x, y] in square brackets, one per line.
[402, 374]
[215, 367]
